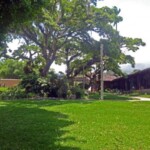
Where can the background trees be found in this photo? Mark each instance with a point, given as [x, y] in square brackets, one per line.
[61, 32]
[11, 69]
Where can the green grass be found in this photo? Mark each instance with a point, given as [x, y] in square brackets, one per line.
[140, 95]
[110, 96]
[74, 125]
[145, 95]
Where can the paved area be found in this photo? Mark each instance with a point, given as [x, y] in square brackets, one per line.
[142, 98]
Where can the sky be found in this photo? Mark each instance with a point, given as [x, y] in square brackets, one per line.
[135, 24]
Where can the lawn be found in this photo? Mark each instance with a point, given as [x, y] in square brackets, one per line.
[110, 96]
[74, 125]
[141, 95]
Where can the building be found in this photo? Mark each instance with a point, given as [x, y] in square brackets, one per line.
[9, 82]
[136, 81]
[107, 79]
[93, 81]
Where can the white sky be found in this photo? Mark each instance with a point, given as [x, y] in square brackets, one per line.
[136, 23]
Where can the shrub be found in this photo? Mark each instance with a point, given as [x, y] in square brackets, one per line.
[3, 89]
[77, 91]
[13, 93]
[30, 83]
[52, 86]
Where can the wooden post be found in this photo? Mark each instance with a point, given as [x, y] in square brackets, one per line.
[101, 73]
[83, 79]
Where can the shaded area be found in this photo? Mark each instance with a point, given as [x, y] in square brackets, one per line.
[30, 103]
[23, 125]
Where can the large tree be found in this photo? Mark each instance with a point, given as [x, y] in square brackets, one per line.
[59, 23]
[62, 31]
[80, 56]
[15, 12]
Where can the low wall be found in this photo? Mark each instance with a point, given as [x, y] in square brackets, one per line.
[9, 82]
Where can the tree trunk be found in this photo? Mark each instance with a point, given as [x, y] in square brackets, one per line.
[45, 69]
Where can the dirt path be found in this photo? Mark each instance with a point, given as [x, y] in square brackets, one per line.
[142, 98]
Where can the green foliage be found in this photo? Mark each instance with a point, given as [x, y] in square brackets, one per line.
[11, 69]
[13, 93]
[78, 92]
[54, 85]
[58, 23]
[61, 33]
[3, 89]
[30, 83]
[133, 44]
[18, 11]
[13, 13]
[77, 55]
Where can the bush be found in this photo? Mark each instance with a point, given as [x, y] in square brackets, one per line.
[77, 91]
[30, 83]
[13, 93]
[3, 89]
[94, 95]
[52, 86]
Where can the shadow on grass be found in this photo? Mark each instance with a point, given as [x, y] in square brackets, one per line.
[44, 103]
[32, 128]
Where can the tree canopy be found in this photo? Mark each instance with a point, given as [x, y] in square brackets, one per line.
[15, 12]
[61, 33]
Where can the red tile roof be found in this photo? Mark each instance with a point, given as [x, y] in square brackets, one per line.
[108, 77]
